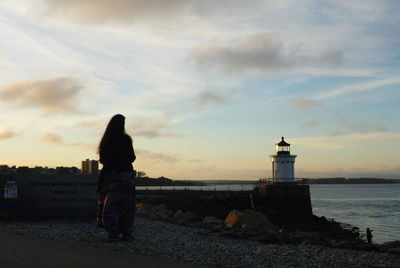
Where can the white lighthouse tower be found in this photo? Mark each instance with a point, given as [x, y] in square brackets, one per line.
[283, 163]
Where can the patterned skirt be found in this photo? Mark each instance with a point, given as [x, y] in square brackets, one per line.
[113, 182]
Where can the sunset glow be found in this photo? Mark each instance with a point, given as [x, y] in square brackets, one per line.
[207, 87]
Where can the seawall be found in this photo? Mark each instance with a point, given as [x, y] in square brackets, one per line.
[74, 195]
[48, 195]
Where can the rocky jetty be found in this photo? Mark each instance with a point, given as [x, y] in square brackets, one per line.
[283, 214]
[256, 226]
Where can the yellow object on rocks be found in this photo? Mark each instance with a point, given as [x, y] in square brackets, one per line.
[139, 205]
[232, 218]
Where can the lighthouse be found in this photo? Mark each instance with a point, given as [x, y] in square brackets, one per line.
[283, 163]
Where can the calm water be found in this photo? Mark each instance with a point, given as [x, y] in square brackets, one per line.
[376, 206]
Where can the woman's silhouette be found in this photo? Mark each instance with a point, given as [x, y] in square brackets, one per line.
[116, 210]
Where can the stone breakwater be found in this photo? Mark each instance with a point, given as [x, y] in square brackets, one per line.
[199, 245]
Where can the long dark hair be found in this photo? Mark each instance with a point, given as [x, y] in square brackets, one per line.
[115, 129]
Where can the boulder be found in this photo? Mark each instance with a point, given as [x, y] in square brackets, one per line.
[250, 218]
[232, 218]
[213, 224]
[389, 245]
[310, 238]
[211, 220]
[248, 232]
[160, 212]
[394, 250]
[181, 217]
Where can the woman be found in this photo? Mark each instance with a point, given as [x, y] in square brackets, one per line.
[116, 211]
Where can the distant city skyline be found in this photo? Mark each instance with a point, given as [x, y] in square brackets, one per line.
[207, 87]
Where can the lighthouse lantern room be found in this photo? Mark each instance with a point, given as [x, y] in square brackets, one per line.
[283, 163]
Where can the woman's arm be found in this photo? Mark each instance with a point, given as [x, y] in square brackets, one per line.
[131, 151]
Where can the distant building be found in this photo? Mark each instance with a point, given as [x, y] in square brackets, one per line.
[283, 163]
[90, 167]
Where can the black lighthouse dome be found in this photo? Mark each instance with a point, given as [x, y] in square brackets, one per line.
[283, 148]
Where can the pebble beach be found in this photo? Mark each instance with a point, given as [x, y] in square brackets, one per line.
[197, 245]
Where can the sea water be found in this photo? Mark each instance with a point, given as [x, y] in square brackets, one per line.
[376, 206]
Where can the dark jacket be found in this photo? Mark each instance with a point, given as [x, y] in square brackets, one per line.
[119, 156]
[116, 158]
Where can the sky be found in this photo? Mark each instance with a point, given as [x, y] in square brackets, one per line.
[207, 87]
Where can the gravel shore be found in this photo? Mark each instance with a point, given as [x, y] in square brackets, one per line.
[198, 245]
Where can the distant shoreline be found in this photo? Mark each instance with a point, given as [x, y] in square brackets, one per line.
[348, 181]
[313, 181]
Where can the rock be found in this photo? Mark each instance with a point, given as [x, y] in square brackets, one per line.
[395, 243]
[211, 220]
[252, 219]
[190, 216]
[232, 218]
[394, 250]
[160, 212]
[213, 224]
[272, 237]
[388, 245]
[184, 217]
[310, 238]
[178, 215]
[247, 232]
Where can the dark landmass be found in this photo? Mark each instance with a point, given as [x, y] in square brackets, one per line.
[341, 180]
[336, 180]
[38, 170]
[227, 181]
[162, 181]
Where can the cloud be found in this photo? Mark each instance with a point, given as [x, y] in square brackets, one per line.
[310, 124]
[126, 11]
[209, 97]
[303, 103]
[58, 95]
[350, 140]
[56, 139]
[7, 134]
[260, 53]
[361, 127]
[151, 128]
[53, 138]
[359, 88]
[156, 157]
[153, 133]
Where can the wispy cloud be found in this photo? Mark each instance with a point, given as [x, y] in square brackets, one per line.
[359, 88]
[153, 133]
[151, 128]
[58, 95]
[351, 140]
[128, 11]
[310, 124]
[56, 139]
[259, 53]
[303, 103]
[210, 97]
[152, 157]
[7, 134]
[53, 138]
[346, 125]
